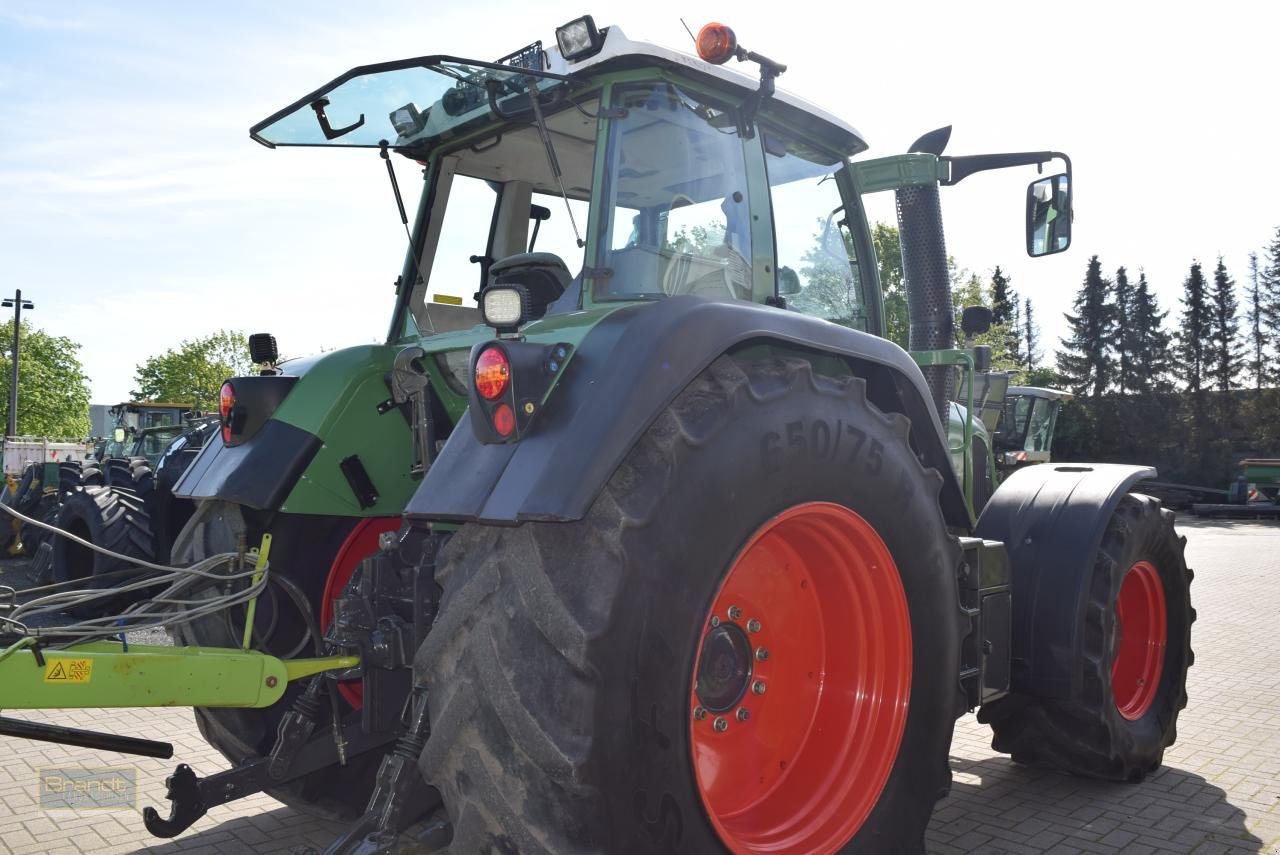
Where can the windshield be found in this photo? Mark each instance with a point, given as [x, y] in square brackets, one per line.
[410, 103]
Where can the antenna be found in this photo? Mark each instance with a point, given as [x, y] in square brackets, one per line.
[689, 31]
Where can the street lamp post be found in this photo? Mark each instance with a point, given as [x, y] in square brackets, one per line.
[18, 304]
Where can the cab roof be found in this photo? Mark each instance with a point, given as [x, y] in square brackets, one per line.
[620, 51]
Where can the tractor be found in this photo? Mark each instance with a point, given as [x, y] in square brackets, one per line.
[636, 534]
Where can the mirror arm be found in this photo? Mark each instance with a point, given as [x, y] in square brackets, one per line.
[964, 166]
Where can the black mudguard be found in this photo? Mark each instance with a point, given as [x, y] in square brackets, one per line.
[623, 374]
[258, 474]
[1052, 518]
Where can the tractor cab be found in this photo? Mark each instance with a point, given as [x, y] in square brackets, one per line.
[615, 173]
[1024, 434]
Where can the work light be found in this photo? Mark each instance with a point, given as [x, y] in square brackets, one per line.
[579, 39]
[505, 307]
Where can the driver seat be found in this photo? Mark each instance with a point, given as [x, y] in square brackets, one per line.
[543, 274]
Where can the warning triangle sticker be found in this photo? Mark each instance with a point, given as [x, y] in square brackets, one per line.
[57, 673]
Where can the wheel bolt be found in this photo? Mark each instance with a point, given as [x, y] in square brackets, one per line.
[743, 715]
[715, 621]
[720, 725]
[699, 713]
[758, 687]
[753, 625]
[735, 613]
[762, 653]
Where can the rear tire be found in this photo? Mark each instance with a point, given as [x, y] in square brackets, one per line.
[1120, 725]
[561, 663]
[113, 519]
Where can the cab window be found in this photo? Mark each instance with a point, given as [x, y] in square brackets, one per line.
[679, 220]
[817, 266]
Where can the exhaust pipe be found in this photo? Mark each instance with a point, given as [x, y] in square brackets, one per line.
[924, 266]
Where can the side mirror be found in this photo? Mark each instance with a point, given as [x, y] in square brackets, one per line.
[118, 434]
[1049, 215]
[975, 320]
[788, 282]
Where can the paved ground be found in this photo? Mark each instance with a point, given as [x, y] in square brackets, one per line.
[1219, 791]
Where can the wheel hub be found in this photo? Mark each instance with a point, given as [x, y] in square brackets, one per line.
[724, 668]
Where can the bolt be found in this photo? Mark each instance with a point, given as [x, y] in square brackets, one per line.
[758, 687]
[715, 621]
[699, 713]
[720, 725]
[753, 625]
[762, 653]
[271, 682]
[735, 613]
[387, 541]
[743, 715]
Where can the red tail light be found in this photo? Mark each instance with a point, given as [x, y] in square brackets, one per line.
[493, 373]
[504, 419]
[226, 400]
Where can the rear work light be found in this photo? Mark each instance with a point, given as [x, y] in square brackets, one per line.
[493, 373]
[226, 404]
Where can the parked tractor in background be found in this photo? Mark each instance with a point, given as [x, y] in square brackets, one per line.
[636, 534]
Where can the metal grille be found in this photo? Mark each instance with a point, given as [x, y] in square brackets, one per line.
[924, 266]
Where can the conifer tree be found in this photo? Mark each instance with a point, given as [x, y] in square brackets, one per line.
[1151, 359]
[1269, 310]
[1223, 359]
[1084, 360]
[1005, 311]
[1254, 316]
[1194, 330]
[1031, 335]
[1124, 331]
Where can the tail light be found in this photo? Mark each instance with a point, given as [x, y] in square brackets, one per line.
[510, 380]
[226, 408]
[493, 373]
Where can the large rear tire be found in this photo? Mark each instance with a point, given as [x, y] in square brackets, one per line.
[564, 669]
[302, 549]
[1137, 652]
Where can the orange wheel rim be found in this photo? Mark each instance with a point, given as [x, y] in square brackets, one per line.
[1143, 635]
[801, 683]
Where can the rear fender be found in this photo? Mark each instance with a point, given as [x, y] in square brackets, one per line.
[1052, 518]
[626, 370]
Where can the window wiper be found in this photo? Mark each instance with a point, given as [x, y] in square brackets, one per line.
[552, 161]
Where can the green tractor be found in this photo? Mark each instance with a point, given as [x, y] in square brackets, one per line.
[636, 534]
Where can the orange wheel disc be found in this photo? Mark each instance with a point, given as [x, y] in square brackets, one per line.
[801, 683]
[1142, 631]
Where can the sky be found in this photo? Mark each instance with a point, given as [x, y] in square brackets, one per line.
[136, 212]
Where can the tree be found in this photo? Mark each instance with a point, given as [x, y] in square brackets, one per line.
[888, 248]
[1194, 331]
[1124, 342]
[1269, 308]
[53, 395]
[1223, 360]
[1255, 317]
[968, 290]
[1084, 361]
[1151, 360]
[1031, 335]
[1005, 311]
[195, 371]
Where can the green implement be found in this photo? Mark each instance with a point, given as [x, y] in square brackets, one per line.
[106, 674]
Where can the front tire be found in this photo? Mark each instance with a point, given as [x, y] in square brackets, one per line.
[1137, 652]
[561, 668]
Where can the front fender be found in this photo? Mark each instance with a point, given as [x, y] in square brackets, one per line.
[1051, 519]
[626, 370]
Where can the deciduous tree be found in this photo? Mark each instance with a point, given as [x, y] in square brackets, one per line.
[53, 392]
[194, 371]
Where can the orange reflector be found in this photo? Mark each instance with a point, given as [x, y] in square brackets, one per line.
[493, 373]
[226, 400]
[716, 43]
[504, 419]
